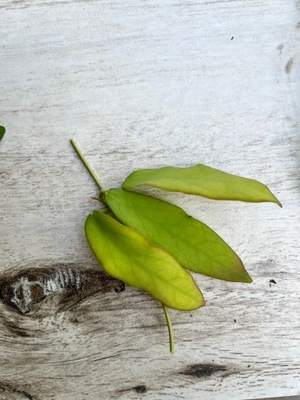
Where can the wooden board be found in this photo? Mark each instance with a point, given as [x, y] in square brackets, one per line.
[145, 84]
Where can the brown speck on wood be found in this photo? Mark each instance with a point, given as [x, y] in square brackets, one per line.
[120, 288]
[289, 65]
[140, 389]
[280, 47]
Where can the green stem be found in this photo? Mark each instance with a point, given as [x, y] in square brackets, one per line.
[86, 164]
[170, 330]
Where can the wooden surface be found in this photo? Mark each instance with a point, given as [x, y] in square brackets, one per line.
[145, 84]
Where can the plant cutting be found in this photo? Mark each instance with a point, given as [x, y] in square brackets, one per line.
[152, 244]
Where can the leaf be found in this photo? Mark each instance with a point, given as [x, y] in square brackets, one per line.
[192, 243]
[203, 181]
[2, 131]
[127, 255]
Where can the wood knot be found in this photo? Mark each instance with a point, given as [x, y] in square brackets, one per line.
[34, 285]
[203, 370]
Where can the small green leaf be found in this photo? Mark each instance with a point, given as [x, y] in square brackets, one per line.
[2, 131]
[192, 243]
[127, 255]
[203, 181]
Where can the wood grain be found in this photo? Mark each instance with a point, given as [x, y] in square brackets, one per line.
[145, 84]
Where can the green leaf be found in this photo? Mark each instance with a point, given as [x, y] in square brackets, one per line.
[203, 181]
[127, 255]
[192, 243]
[2, 131]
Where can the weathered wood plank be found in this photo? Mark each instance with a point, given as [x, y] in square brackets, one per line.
[146, 84]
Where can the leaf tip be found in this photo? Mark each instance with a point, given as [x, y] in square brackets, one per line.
[248, 279]
[2, 131]
[276, 201]
[270, 196]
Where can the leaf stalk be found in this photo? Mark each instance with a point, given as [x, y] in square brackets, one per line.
[170, 330]
[86, 164]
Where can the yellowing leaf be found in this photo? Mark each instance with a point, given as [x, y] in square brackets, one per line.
[204, 181]
[192, 243]
[127, 255]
